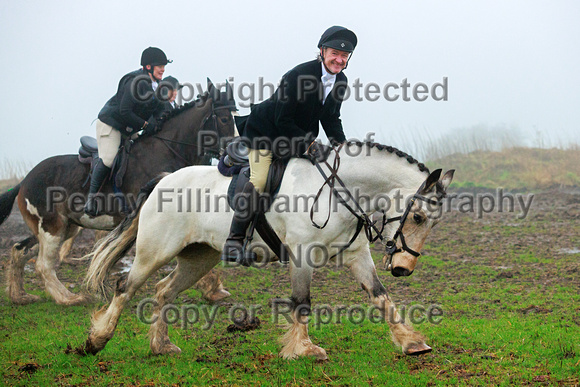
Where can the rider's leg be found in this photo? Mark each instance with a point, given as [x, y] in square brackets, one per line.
[108, 140]
[260, 161]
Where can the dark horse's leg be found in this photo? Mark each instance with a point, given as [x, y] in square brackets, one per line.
[42, 200]
[51, 231]
[46, 265]
[66, 247]
[20, 254]
[296, 341]
[363, 268]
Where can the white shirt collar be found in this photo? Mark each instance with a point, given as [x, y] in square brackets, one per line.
[328, 81]
[326, 76]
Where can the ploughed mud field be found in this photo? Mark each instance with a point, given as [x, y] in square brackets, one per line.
[507, 286]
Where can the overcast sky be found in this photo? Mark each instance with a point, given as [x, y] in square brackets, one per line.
[508, 63]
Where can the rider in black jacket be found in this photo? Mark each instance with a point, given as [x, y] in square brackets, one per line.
[286, 124]
[133, 108]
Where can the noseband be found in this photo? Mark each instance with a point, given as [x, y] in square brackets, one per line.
[391, 245]
[363, 219]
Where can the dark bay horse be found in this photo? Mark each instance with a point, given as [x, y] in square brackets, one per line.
[52, 195]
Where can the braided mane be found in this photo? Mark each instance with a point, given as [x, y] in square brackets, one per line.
[410, 159]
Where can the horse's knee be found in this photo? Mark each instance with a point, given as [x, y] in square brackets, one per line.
[22, 251]
[43, 268]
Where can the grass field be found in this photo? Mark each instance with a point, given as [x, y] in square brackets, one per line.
[509, 290]
[514, 168]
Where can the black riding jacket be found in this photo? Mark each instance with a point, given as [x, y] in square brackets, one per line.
[134, 103]
[296, 108]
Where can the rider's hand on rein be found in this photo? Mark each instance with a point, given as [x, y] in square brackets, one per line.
[318, 152]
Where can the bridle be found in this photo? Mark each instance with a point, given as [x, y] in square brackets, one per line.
[210, 118]
[391, 245]
[363, 219]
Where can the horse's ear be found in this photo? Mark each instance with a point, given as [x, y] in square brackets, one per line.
[213, 92]
[431, 181]
[447, 179]
[229, 91]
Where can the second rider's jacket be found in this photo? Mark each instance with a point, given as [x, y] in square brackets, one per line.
[134, 103]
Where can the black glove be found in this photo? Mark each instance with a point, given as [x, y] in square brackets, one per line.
[318, 152]
[151, 128]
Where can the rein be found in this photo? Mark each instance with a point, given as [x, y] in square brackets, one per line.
[363, 219]
[211, 116]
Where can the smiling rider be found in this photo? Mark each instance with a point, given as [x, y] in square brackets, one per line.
[286, 124]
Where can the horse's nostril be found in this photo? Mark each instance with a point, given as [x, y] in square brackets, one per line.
[401, 272]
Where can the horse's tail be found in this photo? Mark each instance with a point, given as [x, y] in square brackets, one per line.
[6, 202]
[114, 246]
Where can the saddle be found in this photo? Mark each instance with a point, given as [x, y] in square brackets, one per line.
[89, 153]
[234, 162]
[88, 150]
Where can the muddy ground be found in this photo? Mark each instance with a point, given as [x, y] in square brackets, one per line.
[550, 230]
[470, 262]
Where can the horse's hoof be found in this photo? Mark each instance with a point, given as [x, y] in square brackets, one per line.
[168, 349]
[417, 349]
[24, 299]
[317, 352]
[72, 261]
[78, 299]
[92, 346]
[217, 296]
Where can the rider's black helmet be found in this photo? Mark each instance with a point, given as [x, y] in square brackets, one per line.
[173, 82]
[339, 38]
[154, 56]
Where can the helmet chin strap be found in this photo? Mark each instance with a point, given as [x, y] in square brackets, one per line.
[150, 71]
[346, 65]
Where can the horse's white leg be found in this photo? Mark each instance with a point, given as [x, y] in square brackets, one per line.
[46, 265]
[20, 254]
[192, 264]
[69, 239]
[364, 271]
[296, 341]
[104, 321]
[211, 287]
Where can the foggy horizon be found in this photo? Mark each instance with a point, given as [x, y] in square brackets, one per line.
[509, 65]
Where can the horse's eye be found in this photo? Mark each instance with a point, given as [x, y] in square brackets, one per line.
[417, 218]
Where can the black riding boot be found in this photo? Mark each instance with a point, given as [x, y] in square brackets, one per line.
[248, 206]
[99, 174]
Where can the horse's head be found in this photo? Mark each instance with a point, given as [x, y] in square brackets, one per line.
[421, 214]
[224, 106]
